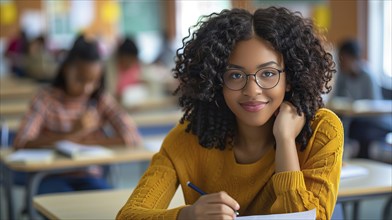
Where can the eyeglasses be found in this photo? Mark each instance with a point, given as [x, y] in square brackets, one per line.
[266, 78]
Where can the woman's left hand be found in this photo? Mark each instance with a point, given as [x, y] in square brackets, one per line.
[288, 124]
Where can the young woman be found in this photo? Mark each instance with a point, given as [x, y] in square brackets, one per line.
[76, 108]
[254, 135]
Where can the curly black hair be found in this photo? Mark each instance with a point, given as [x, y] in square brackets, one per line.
[203, 59]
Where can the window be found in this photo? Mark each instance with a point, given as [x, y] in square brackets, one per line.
[379, 45]
[189, 12]
[143, 20]
[387, 57]
[59, 24]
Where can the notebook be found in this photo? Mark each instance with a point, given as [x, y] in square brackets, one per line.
[31, 156]
[79, 151]
[306, 215]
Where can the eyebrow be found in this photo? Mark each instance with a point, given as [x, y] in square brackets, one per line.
[234, 66]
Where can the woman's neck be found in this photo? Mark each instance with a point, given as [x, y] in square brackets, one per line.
[252, 142]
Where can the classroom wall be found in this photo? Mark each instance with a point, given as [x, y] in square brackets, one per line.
[348, 19]
[9, 29]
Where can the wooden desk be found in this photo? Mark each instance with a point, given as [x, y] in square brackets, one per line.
[60, 165]
[14, 88]
[377, 182]
[360, 108]
[121, 155]
[143, 119]
[107, 203]
[89, 205]
[17, 109]
[348, 110]
[154, 103]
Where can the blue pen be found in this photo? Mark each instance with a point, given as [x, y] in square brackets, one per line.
[201, 192]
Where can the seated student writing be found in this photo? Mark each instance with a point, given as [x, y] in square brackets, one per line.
[254, 135]
[75, 107]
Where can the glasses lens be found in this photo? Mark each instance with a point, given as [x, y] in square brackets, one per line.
[234, 79]
[267, 78]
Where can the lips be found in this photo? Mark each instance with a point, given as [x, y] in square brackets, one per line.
[253, 106]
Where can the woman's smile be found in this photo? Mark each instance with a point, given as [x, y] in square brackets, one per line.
[253, 106]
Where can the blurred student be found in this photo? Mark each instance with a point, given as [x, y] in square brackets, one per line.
[166, 54]
[40, 64]
[355, 81]
[15, 53]
[128, 66]
[76, 108]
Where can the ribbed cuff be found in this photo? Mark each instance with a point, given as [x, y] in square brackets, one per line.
[288, 181]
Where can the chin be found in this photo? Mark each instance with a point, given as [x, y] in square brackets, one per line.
[254, 122]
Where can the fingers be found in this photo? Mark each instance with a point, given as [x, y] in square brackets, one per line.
[215, 206]
[223, 197]
[288, 116]
[288, 107]
[222, 210]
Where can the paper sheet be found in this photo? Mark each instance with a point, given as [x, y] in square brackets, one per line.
[31, 156]
[80, 151]
[306, 215]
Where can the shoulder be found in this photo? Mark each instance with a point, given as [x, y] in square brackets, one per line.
[328, 133]
[179, 140]
[327, 137]
[46, 95]
[178, 135]
[107, 100]
[46, 91]
[328, 123]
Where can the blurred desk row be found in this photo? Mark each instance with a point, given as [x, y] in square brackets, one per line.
[15, 95]
[147, 118]
[360, 108]
[17, 90]
[61, 164]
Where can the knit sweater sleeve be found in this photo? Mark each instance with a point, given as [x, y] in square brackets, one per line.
[154, 191]
[316, 185]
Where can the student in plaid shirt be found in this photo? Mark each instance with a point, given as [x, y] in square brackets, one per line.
[76, 108]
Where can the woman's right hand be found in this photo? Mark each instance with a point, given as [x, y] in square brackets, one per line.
[211, 206]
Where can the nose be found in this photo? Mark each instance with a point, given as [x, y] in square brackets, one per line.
[251, 88]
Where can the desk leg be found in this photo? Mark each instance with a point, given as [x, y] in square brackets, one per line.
[8, 190]
[346, 121]
[344, 209]
[355, 209]
[31, 190]
[387, 209]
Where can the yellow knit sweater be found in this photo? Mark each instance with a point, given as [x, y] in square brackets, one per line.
[256, 187]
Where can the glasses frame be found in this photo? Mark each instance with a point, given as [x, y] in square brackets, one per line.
[254, 75]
